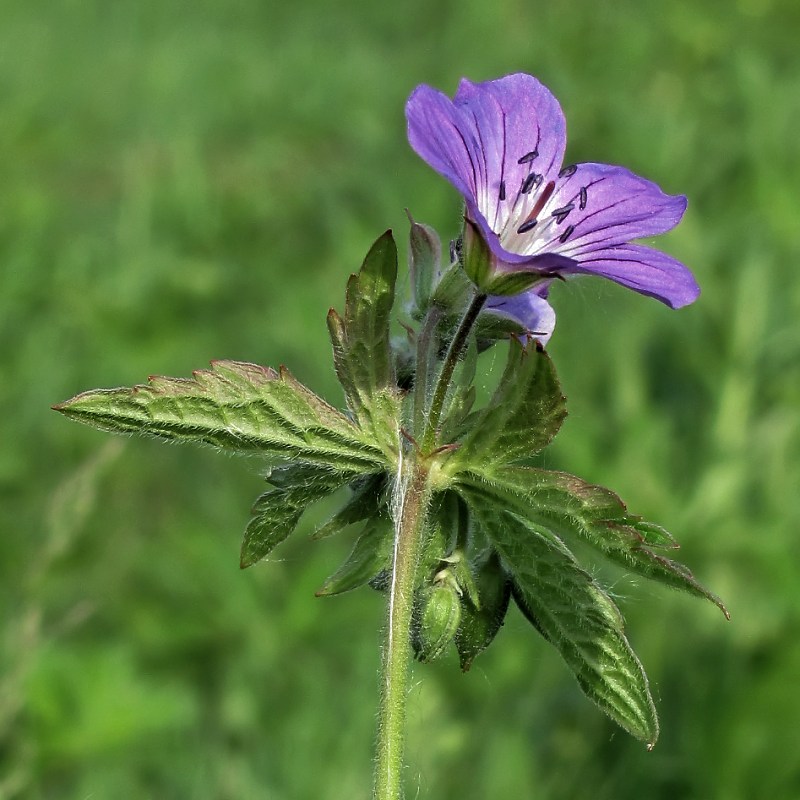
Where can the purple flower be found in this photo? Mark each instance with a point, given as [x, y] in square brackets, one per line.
[501, 144]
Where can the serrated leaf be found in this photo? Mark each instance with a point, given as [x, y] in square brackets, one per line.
[576, 616]
[569, 506]
[361, 342]
[480, 622]
[523, 415]
[277, 511]
[235, 406]
[368, 500]
[371, 554]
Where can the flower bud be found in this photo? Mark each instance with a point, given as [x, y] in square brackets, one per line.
[437, 621]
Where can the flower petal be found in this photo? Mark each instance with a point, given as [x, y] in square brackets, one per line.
[530, 309]
[603, 206]
[477, 142]
[644, 270]
[440, 136]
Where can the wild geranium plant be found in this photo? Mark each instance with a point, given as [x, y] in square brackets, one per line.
[451, 517]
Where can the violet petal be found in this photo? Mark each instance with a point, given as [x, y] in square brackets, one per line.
[644, 270]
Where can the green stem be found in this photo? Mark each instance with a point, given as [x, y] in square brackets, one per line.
[410, 501]
[454, 351]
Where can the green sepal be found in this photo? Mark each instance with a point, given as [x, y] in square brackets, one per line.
[576, 616]
[277, 511]
[452, 289]
[523, 415]
[361, 343]
[570, 507]
[435, 621]
[370, 556]
[481, 621]
[367, 500]
[424, 264]
[235, 406]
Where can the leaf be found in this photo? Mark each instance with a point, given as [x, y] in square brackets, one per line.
[523, 415]
[368, 500]
[361, 342]
[568, 506]
[480, 623]
[277, 512]
[576, 616]
[235, 406]
[371, 555]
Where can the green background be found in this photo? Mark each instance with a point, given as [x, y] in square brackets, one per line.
[185, 181]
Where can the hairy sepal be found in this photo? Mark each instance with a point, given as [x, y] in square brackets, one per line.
[236, 406]
[575, 615]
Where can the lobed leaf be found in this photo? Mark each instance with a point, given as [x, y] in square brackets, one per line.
[277, 511]
[370, 556]
[576, 616]
[568, 506]
[361, 343]
[236, 406]
[368, 500]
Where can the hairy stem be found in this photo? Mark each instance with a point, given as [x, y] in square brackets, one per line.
[454, 351]
[410, 505]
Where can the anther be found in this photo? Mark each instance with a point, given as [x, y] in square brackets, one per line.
[528, 157]
[534, 179]
[562, 213]
[528, 225]
[568, 171]
[567, 233]
[582, 203]
[502, 193]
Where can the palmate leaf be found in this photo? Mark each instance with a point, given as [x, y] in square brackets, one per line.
[236, 406]
[523, 415]
[574, 614]
[568, 506]
[361, 343]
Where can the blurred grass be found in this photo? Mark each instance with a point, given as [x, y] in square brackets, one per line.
[186, 181]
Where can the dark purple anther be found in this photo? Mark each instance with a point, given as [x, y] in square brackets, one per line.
[562, 213]
[527, 226]
[528, 157]
[583, 198]
[502, 193]
[567, 233]
[532, 180]
[568, 171]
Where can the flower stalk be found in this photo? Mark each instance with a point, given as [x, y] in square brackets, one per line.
[454, 351]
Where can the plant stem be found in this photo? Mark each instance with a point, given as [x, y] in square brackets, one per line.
[454, 351]
[411, 498]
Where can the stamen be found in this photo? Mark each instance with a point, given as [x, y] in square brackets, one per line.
[567, 233]
[502, 194]
[583, 198]
[528, 157]
[534, 179]
[562, 213]
[568, 171]
[532, 218]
